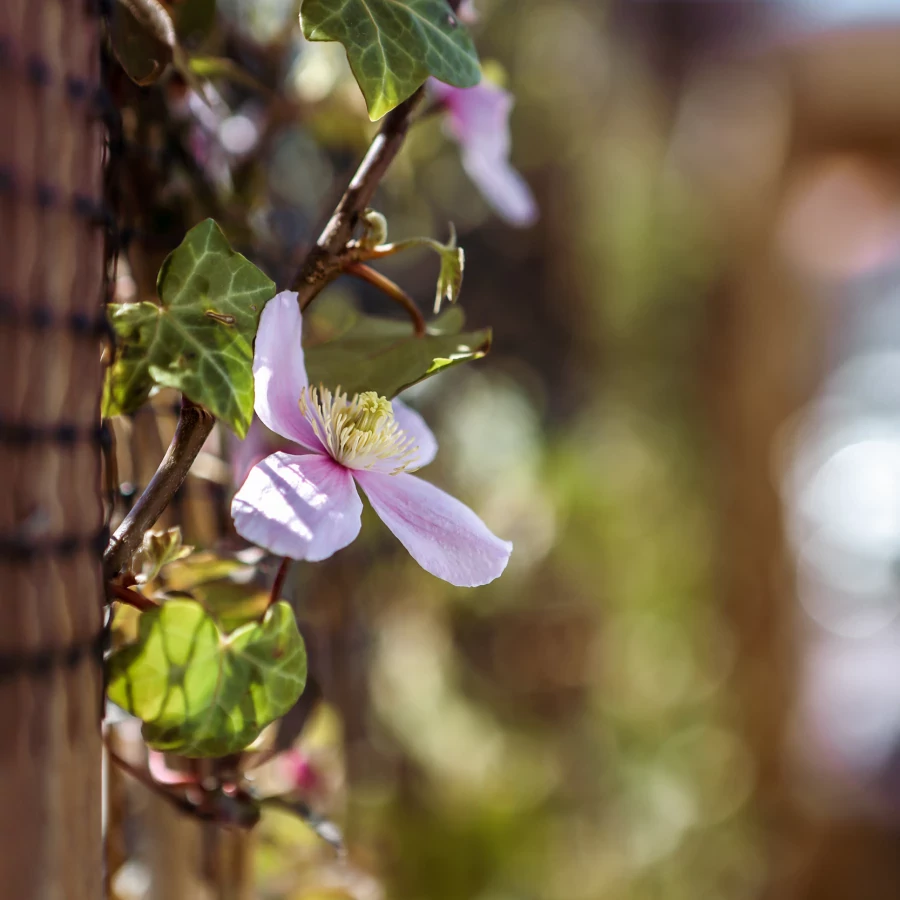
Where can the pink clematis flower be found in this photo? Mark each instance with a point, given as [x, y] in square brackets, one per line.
[307, 506]
[478, 119]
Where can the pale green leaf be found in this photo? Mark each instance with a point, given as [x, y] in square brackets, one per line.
[199, 339]
[225, 586]
[200, 692]
[394, 45]
[383, 355]
[202, 567]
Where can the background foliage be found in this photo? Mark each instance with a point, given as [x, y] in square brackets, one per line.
[626, 714]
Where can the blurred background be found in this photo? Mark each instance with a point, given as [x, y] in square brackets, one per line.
[687, 684]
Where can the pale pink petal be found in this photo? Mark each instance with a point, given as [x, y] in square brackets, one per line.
[279, 373]
[413, 425]
[478, 118]
[503, 188]
[162, 774]
[441, 534]
[304, 507]
[245, 454]
[254, 448]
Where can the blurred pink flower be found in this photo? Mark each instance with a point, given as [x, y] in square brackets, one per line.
[162, 774]
[307, 507]
[299, 771]
[467, 12]
[478, 119]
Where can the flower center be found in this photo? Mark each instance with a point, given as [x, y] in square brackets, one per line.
[359, 432]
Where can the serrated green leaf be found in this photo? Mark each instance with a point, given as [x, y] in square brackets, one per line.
[394, 45]
[143, 38]
[199, 340]
[383, 355]
[200, 692]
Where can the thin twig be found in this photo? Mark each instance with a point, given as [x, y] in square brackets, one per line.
[324, 262]
[194, 425]
[394, 291]
[137, 774]
[278, 583]
[324, 828]
[132, 598]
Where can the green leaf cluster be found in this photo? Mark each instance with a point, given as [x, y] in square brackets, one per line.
[200, 691]
[226, 587]
[199, 338]
[394, 45]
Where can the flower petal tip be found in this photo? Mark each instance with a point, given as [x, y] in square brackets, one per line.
[442, 535]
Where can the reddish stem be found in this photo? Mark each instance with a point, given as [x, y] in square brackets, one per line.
[132, 598]
[278, 583]
[394, 291]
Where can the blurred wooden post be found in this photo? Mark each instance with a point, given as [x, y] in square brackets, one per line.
[172, 843]
[51, 517]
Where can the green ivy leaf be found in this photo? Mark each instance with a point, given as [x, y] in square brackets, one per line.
[394, 45]
[383, 355]
[199, 339]
[201, 692]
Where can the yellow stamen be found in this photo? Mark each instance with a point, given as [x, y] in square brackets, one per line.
[360, 432]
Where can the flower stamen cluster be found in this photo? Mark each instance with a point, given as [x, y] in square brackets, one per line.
[359, 432]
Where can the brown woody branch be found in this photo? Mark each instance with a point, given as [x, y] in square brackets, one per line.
[322, 265]
[329, 256]
[194, 425]
[326, 259]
